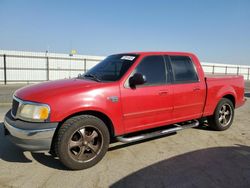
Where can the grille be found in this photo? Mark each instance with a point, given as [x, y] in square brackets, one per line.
[14, 109]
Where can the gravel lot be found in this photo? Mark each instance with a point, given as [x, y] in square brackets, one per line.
[191, 158]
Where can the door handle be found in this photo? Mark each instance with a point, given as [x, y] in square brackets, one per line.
[163, 92]
[196, 89]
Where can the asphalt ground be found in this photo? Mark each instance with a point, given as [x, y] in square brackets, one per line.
[197, 157]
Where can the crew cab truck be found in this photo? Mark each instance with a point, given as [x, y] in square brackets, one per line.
[123, 94]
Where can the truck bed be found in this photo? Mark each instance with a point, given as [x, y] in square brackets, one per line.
[219, 86]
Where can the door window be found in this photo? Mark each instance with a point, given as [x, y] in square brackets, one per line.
[183, 69]
[153, 68]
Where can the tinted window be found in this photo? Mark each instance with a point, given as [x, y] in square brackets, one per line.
[183, 69]
[153, 67]
[113, 67]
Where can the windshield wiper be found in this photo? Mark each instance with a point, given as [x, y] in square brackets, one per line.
[92, 76]
[80, 76]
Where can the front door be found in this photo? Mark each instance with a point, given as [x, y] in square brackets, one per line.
[150, 104]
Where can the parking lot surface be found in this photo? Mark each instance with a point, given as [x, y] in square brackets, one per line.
[197, 157]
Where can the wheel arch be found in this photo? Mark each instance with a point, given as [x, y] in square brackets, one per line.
[227, 92]
[108, 122]
[230, 97]
[95, 113]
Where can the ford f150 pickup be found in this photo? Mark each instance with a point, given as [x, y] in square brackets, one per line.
[161, 92]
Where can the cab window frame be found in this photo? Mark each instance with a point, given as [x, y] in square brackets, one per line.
[173, 79]
[166, 69]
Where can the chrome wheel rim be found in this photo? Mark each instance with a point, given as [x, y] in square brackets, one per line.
[225, 115]
[85, 144]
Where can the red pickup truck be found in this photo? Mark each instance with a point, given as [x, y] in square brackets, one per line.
[119, 99]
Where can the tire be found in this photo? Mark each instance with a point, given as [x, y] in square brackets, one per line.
[223, 115]
[82, 141]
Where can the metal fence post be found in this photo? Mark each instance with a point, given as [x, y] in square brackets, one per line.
[85, 65]
[237, 70]
[213, 70]
[47, 66]
[5, 69]
[226, 70]
[248, 73]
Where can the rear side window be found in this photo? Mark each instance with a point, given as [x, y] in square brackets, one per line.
[153, 67]
[183, 69]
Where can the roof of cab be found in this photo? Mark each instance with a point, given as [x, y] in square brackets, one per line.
[162, 53]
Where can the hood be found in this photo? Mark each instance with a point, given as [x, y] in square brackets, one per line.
[50, 90]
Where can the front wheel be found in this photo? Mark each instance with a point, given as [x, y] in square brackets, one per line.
[223, 116]
[82, 142]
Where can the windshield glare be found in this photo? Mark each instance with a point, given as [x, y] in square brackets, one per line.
[112, 68]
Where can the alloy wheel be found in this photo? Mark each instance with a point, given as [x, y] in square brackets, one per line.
[85, 144]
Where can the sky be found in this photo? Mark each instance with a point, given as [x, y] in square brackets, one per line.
[215, 30]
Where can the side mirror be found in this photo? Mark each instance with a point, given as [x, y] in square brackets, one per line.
[137, 79]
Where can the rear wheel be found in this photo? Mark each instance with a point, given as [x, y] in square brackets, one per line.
[82, 141]
[223, 116]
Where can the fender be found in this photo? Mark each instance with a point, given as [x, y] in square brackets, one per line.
[113, 117]
[226, 90]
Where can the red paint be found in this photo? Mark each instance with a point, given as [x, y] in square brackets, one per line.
[141, 108]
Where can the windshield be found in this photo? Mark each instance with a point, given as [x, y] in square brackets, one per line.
[111, 68]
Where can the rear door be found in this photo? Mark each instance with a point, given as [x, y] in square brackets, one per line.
[188, 91]
[148, 105]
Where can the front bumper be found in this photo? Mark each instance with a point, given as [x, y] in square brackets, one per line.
[28, 135]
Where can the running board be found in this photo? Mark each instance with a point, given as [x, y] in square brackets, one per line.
[189, 124]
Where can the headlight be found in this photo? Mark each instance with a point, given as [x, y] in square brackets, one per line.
[37, 112]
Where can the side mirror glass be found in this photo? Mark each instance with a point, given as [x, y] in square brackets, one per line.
[137, 79]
